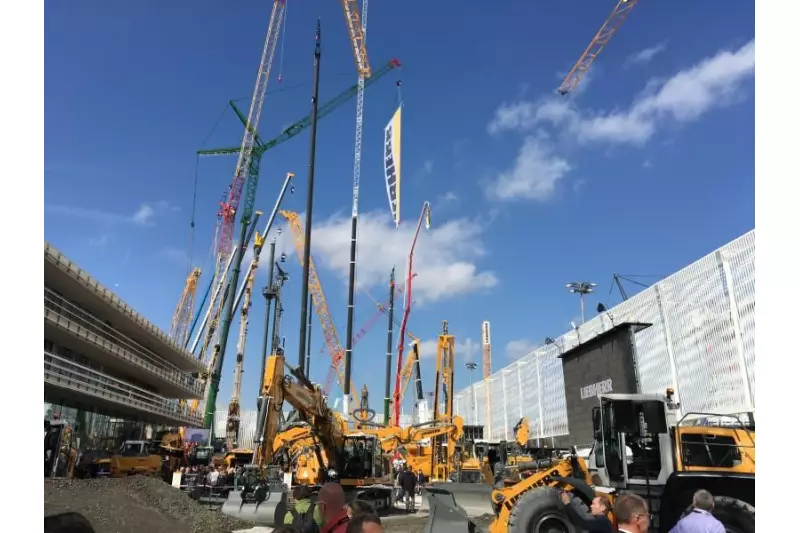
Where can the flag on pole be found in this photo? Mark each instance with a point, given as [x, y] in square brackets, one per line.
[391, 164]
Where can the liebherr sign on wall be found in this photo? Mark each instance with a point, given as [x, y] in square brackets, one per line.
[602, 365]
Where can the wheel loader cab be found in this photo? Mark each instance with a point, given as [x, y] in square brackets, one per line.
[632, 442]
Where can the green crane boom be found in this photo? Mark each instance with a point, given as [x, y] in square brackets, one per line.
[293, 130]
[251, 185]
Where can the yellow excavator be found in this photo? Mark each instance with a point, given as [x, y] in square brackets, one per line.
[641, 448]
[428, 446]
[354, 459]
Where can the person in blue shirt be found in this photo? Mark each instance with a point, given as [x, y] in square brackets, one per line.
[700, 520]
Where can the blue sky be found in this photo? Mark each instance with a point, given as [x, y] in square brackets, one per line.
[646, 167]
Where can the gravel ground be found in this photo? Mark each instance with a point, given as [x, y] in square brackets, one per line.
[135, 505]
[416, 524]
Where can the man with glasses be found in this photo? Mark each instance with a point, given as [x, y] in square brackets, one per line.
[632, 514]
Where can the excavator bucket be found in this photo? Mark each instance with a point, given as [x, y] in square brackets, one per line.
[445, 515]
[269, 512]
[474, 499]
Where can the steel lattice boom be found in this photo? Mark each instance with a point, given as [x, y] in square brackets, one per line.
[358, 39]
[320, 304]
[229, 208]
[609, 28]
[181, 318]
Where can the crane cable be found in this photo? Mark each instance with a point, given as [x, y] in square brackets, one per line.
[194, 190]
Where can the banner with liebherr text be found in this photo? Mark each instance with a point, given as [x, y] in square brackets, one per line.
[391, 163]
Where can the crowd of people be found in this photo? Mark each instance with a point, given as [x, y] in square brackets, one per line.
[329, 514]
[633, 516]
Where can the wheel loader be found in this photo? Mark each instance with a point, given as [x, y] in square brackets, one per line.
[640, 447]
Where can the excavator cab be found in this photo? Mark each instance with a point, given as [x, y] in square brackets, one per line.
[362, 458]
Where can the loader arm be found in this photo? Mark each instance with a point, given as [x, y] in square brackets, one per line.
[549, 474]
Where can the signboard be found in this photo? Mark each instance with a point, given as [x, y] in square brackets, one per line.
[391, 163]
[604, 364]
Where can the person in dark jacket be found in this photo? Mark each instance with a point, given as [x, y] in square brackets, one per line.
[408, 482]
[597, 521]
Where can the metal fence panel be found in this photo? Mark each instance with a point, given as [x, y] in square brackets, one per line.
[512, 397]
[741, 256]
[480, 406]
[497, 419]
[701, 342]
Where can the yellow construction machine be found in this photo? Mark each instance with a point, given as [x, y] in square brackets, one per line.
[355, 459]
[134, 457]
[60, 452]
[640, 447]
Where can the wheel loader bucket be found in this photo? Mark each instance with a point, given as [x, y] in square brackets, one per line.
[269, 512]
[445, 516]
[474, 499]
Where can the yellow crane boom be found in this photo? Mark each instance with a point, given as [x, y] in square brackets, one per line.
[357, 38]
[606, 32]
[320, 304]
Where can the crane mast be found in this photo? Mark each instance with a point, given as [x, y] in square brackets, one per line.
[445, 360]
[607, 31]
[181, 318]
[320, 304]
[486, 341]
[359, 43]
[228, 209]
[234, 406]
[247, 169]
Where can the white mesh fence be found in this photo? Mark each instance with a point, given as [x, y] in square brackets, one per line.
[701, 342]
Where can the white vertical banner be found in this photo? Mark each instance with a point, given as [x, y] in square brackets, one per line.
[391, 163]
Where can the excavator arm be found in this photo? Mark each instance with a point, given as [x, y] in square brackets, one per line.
[309, 403]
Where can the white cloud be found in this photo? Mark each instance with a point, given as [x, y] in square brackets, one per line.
[643, 57]
[533, 176]
[444, 259]
[519, 348]
[465, 351]
[145, 215]
[714, 82]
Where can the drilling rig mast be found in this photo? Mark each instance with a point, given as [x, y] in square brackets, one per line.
[358, 39]
[486, 341]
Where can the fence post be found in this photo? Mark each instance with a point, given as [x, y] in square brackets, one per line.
[737, 332]
[667, 339]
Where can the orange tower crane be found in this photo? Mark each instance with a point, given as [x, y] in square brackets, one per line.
[325, 319]
[607, 30]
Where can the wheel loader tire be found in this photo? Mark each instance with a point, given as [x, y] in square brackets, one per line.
[540, 511]
[737, 516]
